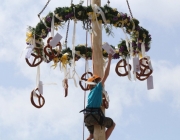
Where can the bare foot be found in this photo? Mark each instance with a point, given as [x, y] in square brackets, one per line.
[90, 137]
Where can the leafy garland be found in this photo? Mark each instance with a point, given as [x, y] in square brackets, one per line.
[86, 15]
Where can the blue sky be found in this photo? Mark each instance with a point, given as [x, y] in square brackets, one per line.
[140, 114]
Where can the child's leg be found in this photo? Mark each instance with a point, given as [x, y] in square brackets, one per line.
[109, 124]
[109, 130]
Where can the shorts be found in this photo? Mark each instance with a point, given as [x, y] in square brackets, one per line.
[90, 122]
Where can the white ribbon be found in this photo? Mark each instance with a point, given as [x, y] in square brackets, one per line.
[64, 83]
[134, 73]
[136, 66]
[40, 87]
[149, 62]
[129, 72]
[39, 84]
[92, 31]
[127, 40]
[52, 26]
[30, 48]
[38, 76]
[28, 54]
[73, 55]
[143, 49]
[98, 10]
[131, 49]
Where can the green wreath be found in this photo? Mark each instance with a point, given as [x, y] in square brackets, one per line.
[114, 18]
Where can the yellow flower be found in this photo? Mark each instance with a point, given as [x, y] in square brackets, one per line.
[59, 17]
[114, 9]
[56, 60]
[118, 15]
[89, 13]
[29, 37]
[78, 52]
[81, 45]
[64, 59]
[140, 55]
[125, 21]
[93, 17]
[117, 51]
[97, 15]
[108, 21]
[104, 51]
[43, 31]
[115, 25]
[144, 35]
[79, 13]
[122, 22]
[55, 24]
[56, 15]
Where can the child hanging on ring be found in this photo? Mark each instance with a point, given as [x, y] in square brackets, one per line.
[93, 114]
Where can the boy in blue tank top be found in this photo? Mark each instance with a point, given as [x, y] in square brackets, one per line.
[93, 114]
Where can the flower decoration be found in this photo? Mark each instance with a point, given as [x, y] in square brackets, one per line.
[113, 17]
[29, 39]
[123, 50]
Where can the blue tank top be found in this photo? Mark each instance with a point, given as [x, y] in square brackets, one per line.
[95, 97]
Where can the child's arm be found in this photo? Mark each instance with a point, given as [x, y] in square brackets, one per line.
[107, 70]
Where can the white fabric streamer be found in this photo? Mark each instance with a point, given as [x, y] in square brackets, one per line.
[38, 76]
[129, 72]
[131, 49]
[149, 62]
[52, 26]
[98, 10]
[143, 49]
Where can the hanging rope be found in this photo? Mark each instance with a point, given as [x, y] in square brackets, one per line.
[85, 71]
[129, 8]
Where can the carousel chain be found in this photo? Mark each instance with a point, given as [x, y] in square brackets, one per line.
[67, 33]
[67, 29]
[43, 8]
[108, 2]
[129, 8]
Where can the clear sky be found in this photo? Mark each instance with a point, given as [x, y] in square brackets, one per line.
[139, 114]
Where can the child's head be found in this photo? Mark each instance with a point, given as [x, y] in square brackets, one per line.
[95, 79]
